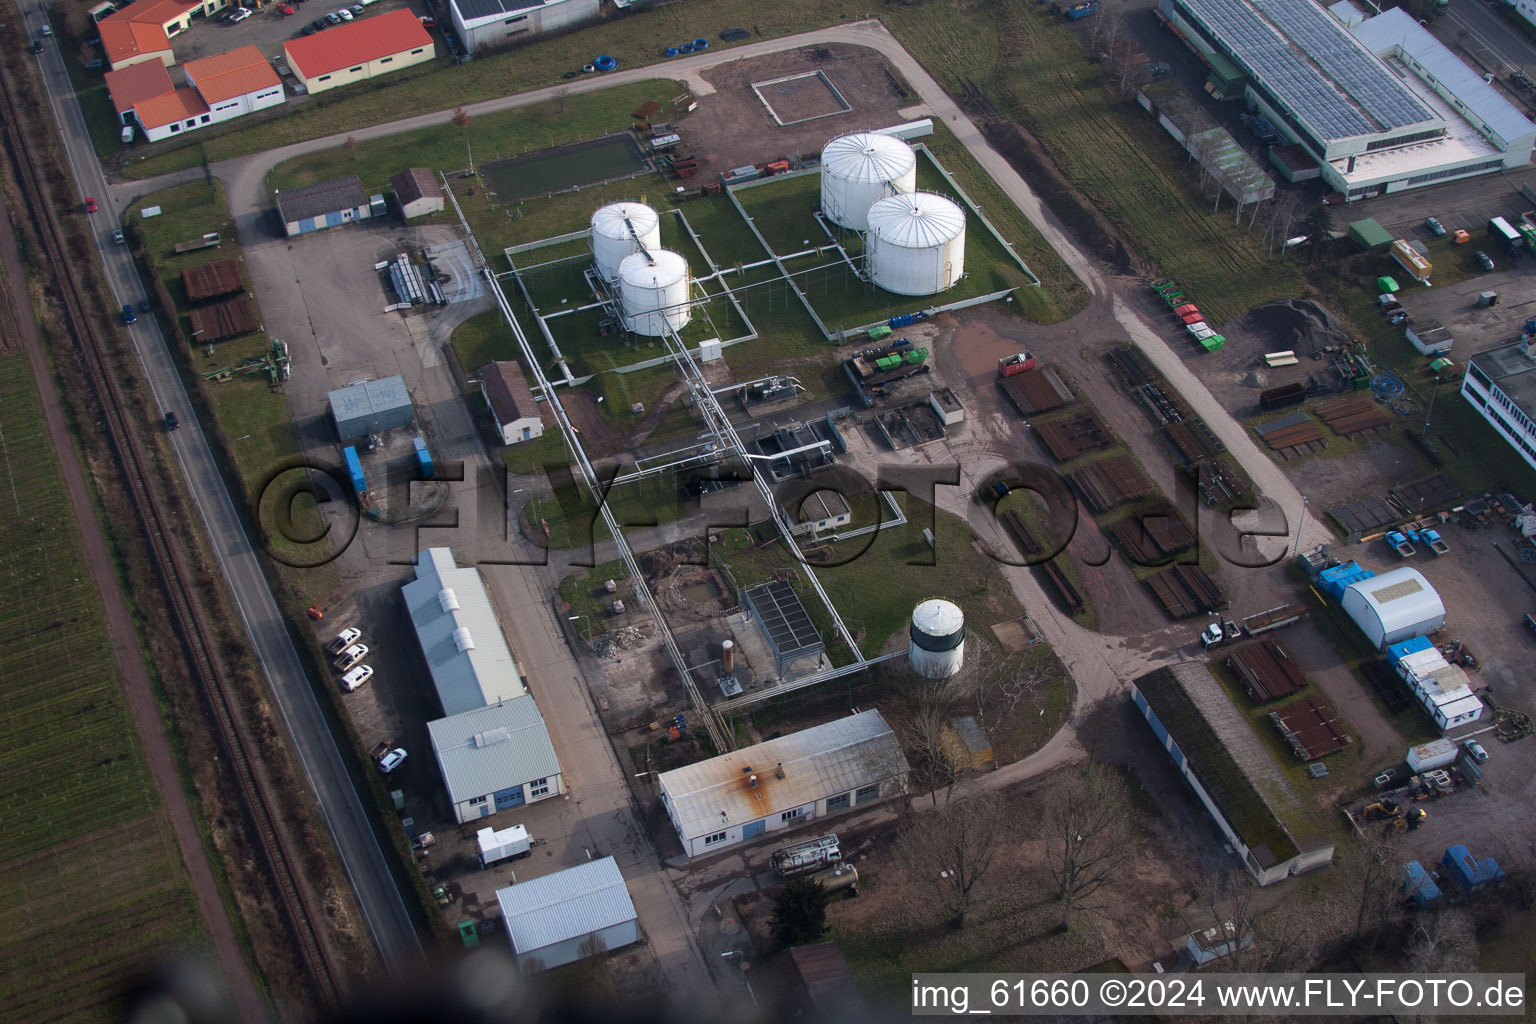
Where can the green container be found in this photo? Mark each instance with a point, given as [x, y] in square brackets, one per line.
[877, 333]
[1386, 285]
[1212, 343]
[888, 362]
[917, 355]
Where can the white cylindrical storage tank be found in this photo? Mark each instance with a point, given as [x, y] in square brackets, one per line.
[654, 292]
[612, 239]
[858, 169]
[916, 243]
[936, 649]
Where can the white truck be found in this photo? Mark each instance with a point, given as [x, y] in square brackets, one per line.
[804, 858]
[1434, 754]
[503, 844]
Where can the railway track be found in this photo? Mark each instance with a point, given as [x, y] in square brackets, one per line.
[177, 580]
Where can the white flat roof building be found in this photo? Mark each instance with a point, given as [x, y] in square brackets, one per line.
[1501, 385]
[559, 918]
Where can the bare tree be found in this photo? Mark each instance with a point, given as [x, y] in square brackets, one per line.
[923, 710]
[1442, 942]
[1227, 901]
[952, 849]
[1286, 938]
[460, 119]
[1518, 859]
[351, 145]
[1371, 869]
[562, 92]
[1087, 837]
[592, 945]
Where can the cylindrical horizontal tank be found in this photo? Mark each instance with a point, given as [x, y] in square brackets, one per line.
[937, 645]
[613, 239]
[916, 243]
[654, 291]
[838, 878]
[860, 168]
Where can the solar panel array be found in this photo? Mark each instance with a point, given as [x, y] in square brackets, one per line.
[1312, 65]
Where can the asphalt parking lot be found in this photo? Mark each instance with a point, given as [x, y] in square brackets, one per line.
[265, 28]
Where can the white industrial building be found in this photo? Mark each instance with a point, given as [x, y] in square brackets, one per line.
[491, 745]
[1444, 690]
[783, 783]
[489, 24]
[494, 758]
[1500, 384]
[510, 399]
[1378, 102]
[557, 919]
[418, 192]
[1394, 606]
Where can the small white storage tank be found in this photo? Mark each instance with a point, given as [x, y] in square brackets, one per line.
[654, 292]
[612, 239]
[937, 646]
[916, 243]
[858, 169]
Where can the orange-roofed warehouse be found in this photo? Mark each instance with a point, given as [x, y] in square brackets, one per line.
[359, 50]
[237, 82]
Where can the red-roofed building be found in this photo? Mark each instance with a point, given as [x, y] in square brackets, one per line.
[143, 31]
[359, 50]
[172, 113]
[238, 82]
[135, 84]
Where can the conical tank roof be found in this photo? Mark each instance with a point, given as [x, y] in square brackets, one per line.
[867, 158]
[921, 220]
[938, 617]
[608, 221]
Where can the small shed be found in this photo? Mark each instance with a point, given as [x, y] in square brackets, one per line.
[1368, 234]
[966, 743]
[325, 204]
[1294, 163]
[506, 391]
[1211, 944]
[1394, 606]
[560, 918]
[1430, 337]
[370, 407]
[418, 192]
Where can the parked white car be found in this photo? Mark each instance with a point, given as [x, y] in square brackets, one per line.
[392, 760]
[241, 13]
[357, 677]
[1475, 751]
[344, 14]
[351, 656]
[346, 638]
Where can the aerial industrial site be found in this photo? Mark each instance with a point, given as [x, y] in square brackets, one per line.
[693, 511]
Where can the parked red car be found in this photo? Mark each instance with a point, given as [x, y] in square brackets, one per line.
[90, 204]
[285, 10]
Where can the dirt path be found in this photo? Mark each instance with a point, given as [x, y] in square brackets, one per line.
[126, 652]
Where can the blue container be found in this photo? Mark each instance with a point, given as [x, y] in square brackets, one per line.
[701, 44]
[686, 48]
[355, 470]
[905, 320]
[605, 63]
[671, 51]
[424, 458]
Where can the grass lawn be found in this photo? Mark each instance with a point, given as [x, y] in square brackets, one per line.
[574, 521]
[492, 137]
[89, 852]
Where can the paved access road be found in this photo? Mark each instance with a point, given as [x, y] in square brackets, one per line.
[1484, 22]
[364, 859]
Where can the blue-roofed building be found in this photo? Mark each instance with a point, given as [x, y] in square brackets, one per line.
[1379, 102]
[491, 744]
[562, 917]
[495, 24]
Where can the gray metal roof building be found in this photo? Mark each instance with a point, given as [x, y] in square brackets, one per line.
[466, 653]
[550, 919]
[780, 783]
[495, 23]
[322, 205]
[371, 407]
[491, 749]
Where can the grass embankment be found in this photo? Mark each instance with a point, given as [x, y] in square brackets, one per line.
[95, 888]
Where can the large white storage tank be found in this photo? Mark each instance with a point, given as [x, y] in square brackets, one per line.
[936, 648]
[1394, 606]
[612, 239]
[916, 243]
[858, 169]
[654, 291]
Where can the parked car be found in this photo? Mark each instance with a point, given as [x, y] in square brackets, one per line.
[241, 13]
[1435, 227]
[351, 656]
[47, 30]
[90, 204]
[332, 18]
[344, 14]
[286, 10]
[129, 316]
[117, 237]
[95, 64]
[392, 760]
[428, 22]
[227, 14]
[357, 677]
[1475, 751]
[356, 9]
[346, 638]
[1483, 259]
[37, 47]
[318, 24]
[171, 422]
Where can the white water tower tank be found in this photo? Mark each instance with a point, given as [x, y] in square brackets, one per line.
[916, 243]
[654, 289]
[936, 649]
[612, 239]
[858, 169]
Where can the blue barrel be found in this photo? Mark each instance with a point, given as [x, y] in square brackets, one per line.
[701, 44]
[671, 51]
[605, 63]
[686, 48]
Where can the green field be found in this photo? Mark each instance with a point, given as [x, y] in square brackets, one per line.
[94, 884]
